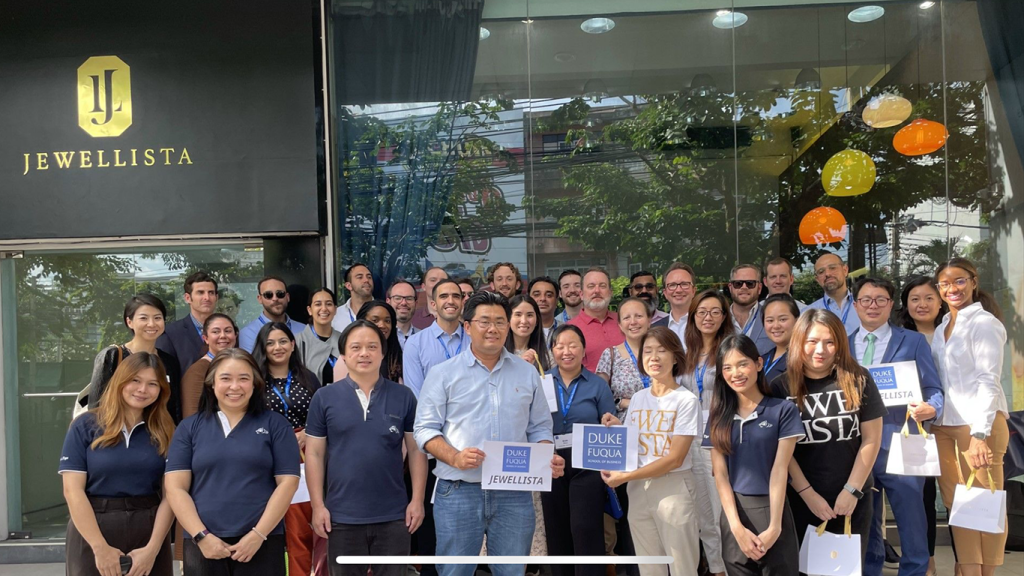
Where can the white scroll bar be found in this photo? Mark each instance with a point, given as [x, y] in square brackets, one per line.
[599, 560]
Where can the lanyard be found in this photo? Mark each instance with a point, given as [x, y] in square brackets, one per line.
[332, 361]
[772, 365]
[566, 404]
[447, 353]
[565, 315]
[750, 321]
[351, 318]
[261, 319]
[700, 380]
[645, 379]
[845, 308]
[287, 392]
[209, 355]
[197, 326]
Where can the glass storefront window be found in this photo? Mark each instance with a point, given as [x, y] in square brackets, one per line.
[60, 308]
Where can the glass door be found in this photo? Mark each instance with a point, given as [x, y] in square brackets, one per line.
[61, 308]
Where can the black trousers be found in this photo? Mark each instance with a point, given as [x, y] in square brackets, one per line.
[929, 511]
[424, 540]
[574, 518]
[382, 539]
[755, 514]
[860, 521]
[126, 524]
[268, 560]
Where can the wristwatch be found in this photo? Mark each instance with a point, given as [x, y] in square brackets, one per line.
[856, 493]
[979, 435]
[200, 535]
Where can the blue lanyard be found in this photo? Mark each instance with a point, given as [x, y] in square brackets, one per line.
[750, 321]
[772, 365]
[209, 355]
[565, 315]
[846, 306]
[645, 379]
[287, 391]
[332, 361]
[196, 325]
[700, 380]
[351, 318]
[447, 353]
[566, 404]
[261, 319]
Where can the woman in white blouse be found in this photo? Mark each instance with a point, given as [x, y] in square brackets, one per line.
[968, 349]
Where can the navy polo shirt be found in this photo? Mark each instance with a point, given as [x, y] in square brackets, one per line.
[233, 475]
[132, 467]
[755, 440]
[774, 367]
[593, 399]
[365, 483]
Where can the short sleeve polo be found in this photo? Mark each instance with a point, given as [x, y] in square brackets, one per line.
[233, 475]
[755, 440]
[132, 467]
[372, 491]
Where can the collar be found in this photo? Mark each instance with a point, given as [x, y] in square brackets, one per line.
[266, 319]
[753, 415]
[591, 320]
[849, 297]
[583, 376]
[128, 433]
[682, 319]
[196, 323]
[469, 359]
[436, 330]
[348, 380]
[972, 310]
[881, 333]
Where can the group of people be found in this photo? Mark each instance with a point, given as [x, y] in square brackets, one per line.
[756, 419]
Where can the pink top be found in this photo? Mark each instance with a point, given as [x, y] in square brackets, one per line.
[599, 335]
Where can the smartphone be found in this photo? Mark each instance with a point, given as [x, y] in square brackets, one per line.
[126, 564]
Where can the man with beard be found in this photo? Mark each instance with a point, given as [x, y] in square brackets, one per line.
[599, 325]
[402, 297]
[504, 279]
[644, 285]
[830, 272]
[678, 285]
[744, 288]
[424, 317]
[544, 292]
[272, 294]
[570, 289]
[359, 283]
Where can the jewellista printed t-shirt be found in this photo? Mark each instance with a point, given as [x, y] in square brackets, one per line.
[828, 451]
[660, 419]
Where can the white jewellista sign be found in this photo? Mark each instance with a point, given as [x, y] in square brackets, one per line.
[517, 466]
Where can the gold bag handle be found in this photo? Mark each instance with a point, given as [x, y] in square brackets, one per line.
[846, 527]
[906, 430]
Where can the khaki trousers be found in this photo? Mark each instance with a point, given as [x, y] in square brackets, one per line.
[663, 522]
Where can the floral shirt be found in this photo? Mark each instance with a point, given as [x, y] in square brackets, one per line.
[625, 379]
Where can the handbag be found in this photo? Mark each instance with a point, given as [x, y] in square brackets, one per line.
[976, 508]
[832, 554]
[612, 506]
[913, 454]
[82, 400]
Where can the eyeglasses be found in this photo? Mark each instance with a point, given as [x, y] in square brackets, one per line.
[280, 294]
[880, 301]
[404, 298]
[487, 324]
[741, 283]
[673, 286]
[829, 268]
[648, 286]
[715, 313]
[960, 283]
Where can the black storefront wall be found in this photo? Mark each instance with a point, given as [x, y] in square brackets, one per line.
[222, 134]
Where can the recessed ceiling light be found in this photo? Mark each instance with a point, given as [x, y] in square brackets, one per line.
[484, 33]
[597, 25]
[927, 4]
[726, 20]
[866, 14]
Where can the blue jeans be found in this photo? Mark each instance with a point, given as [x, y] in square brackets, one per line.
[908, 510]
[463, 513]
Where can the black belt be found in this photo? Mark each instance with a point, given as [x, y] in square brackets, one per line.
[124, 504]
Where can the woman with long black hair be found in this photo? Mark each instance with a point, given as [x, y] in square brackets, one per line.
[526, 332]
[751, 436]
[318, 343]
[383, 316]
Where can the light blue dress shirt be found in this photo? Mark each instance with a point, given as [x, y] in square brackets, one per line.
[468, 404]
[844, 310]
[428, 348]
[247, 335]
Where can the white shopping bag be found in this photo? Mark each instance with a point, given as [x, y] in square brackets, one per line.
[913, 455]
[978, 508]
[824, 553]
[302, 494]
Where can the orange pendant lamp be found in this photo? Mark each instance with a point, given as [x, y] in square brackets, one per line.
[822, 225]
[920, 137]
[848, 173]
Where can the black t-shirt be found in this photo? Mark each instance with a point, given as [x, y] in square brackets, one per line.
[828, 451]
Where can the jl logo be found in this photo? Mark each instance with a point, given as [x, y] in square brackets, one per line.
[104, 96]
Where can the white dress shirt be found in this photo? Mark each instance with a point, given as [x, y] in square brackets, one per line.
[882, 336]
[970, 367]
[679, 327]
[345, 316]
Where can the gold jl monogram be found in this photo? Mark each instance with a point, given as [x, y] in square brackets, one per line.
[104, 96]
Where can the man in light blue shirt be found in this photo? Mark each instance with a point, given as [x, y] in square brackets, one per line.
[442, 340]
[272, 293]
[486, 393]
[830, 272]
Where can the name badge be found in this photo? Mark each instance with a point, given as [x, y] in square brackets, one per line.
[563, 441]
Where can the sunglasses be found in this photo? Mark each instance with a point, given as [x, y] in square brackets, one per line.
[743, 283]
[648, 286]
[280, 294]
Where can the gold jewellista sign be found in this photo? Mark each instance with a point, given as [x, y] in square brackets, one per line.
[104, 94]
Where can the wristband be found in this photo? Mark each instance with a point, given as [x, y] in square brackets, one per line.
[802, 490]
[258, 533]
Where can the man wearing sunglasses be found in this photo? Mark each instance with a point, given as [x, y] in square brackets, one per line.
[744, 290]
[272, 294]
[644, 285]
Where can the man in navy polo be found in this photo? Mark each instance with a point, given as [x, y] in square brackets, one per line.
[879, 342]
[485, 393]
[354, 436]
